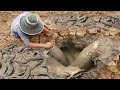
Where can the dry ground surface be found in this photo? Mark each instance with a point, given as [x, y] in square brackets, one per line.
[81, 27]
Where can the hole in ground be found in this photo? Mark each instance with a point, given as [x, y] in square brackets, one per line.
[72, 53]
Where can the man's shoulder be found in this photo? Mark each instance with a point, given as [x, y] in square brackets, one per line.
[16, 21]
[24, 14]
[15, 27]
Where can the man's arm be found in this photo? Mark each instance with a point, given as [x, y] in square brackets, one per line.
[38, 45]
[27, 42]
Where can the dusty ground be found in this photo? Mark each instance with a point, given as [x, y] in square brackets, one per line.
[86, 26]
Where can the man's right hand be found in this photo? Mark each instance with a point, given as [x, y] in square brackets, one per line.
[48, 45]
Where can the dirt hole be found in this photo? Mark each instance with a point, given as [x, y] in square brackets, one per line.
[72, 53]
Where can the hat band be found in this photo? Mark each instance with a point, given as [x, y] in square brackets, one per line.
[29, 24]
[32, 24]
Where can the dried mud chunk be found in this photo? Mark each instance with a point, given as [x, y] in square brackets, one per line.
[80, 32]
[89, 23]
[113, 31]
[3, 68]
[113, 69]
[118, 66]
[14, 78]
[44, 77]
[112, 63]
[70, 23]
[59, 38]
[55, 35]
[92, 30]
[104, 32]
[54, 76]
[20, 49]
[104, 73]
[117, 22]
[57, 53]
[116, 76]
[109, 21]
[72, 33]
[106, 50]
[116, 57]
[33, 64]
[31, 77]
[20, 59]
[10, 70]
[92, 74]
[39, 71]
[48, 34]
[19, 70]
[41, 77]
[47, 22]
[27, 74]
[96, 18]
[63, 33]
[83, 18]
[35, 58]
[36, 77]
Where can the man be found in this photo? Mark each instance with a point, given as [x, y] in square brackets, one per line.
[29, 24]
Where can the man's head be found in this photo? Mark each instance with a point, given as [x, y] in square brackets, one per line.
[30, 25]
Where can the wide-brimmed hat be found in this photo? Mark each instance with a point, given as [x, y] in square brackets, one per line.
[31, 25]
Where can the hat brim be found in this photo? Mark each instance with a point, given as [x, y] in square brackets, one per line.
[31, 31]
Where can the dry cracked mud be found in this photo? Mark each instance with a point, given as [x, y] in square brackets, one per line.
[77, 30]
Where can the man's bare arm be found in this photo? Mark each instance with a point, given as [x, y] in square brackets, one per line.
[39, 45]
